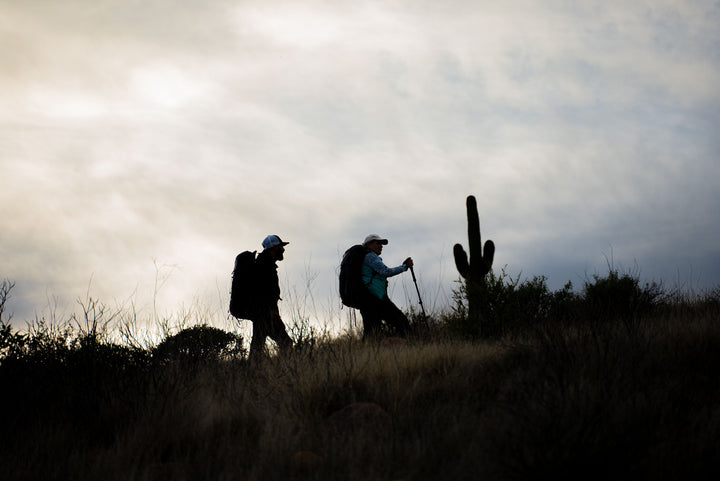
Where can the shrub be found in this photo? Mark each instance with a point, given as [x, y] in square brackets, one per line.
[200, 344]
[619, 296]
[507, 305]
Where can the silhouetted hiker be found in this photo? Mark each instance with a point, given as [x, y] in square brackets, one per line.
[375, 305]
[266, 317]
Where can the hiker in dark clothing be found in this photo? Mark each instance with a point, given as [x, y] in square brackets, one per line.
[266, 320]
[376, 306]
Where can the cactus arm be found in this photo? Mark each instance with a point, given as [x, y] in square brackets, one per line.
[461, 260]
[488, 256]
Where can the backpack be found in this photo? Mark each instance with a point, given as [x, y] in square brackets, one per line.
[242, 294]
[351, 284]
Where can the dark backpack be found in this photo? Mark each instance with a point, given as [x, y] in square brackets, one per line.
[352, 287]
[242, 294]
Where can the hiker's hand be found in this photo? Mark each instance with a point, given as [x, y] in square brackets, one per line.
[408, 262]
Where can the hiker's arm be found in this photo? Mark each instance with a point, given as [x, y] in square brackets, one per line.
[378, 266]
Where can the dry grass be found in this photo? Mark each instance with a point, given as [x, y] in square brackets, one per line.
[572, 399]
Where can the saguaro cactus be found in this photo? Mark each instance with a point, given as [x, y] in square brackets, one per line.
[479, 263]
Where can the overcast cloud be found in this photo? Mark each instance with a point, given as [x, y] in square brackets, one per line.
[144, 140]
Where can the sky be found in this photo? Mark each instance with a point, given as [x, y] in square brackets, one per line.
[144, 144]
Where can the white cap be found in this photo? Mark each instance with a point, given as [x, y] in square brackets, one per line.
[272, 241]
[375, 237]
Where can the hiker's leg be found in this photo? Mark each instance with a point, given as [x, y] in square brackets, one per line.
[395, 317]
[259, 336]
[371, 324]
[370, 312]
[277, 331]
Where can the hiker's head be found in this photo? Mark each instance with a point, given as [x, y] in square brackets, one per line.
[275, 246]
[375, 243]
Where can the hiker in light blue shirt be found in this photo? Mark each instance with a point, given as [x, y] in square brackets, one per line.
[377, 306]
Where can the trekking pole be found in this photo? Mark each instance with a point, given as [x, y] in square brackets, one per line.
[412, 271]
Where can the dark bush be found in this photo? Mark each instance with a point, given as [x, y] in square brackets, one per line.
[508, 304]
[619, 296]
[199, 344]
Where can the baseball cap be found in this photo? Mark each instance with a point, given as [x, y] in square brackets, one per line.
[272, 241]
[375, 237]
